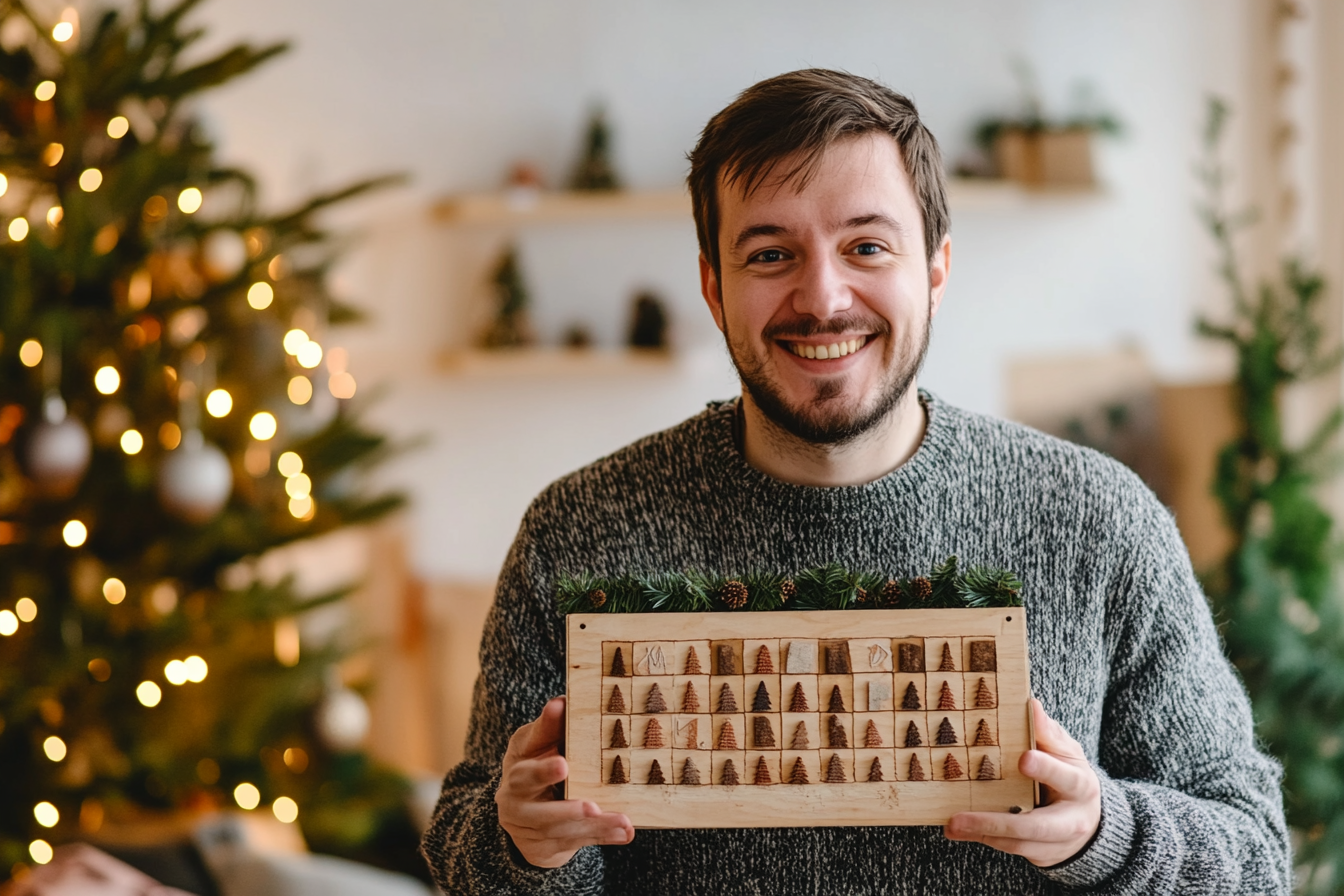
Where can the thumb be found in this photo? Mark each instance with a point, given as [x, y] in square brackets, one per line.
[1051, 736]
[547, 730]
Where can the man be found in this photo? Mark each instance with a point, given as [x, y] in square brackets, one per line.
[822, 217]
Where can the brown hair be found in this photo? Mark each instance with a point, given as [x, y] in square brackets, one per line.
[802, 114]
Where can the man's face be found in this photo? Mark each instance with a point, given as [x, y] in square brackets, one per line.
[825, 294]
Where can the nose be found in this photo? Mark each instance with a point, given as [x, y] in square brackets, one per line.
[821, 291]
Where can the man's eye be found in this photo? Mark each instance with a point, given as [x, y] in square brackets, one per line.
[769, 256]
[867, 249]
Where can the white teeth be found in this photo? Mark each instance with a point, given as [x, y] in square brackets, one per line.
[826, 352]
[809, 351]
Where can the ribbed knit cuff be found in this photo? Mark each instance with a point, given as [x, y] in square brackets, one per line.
[1104, 856]
[577, 875]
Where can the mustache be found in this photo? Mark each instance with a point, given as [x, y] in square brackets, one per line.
[805, 328]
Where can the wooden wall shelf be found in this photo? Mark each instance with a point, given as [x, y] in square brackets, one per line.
[550, 363]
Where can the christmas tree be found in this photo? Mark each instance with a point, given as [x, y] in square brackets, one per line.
[168, 413]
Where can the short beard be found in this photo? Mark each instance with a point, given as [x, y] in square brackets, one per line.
[814, 422]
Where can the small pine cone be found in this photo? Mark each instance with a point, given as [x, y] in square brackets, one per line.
[860, 595]
[921, 588]
[787, 591]
[734, 594]
[597, 597]
[891, 593]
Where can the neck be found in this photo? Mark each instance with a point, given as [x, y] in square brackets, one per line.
[876, 453]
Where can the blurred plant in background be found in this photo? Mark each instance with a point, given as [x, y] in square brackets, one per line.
[1277, 593]
[167, 415]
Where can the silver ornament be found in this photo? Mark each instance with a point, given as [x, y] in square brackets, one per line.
[195, 481]
[342, 719]
[58, 450]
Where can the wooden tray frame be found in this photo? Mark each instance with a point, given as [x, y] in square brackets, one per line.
[785, 805]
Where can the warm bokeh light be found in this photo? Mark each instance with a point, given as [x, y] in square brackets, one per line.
[296, 760]
[114, 591]
[100, 669]
[300, 390]
[30, 353]
[41, 851]
[105, 240]
[45, 90]
[294, 340]
[263, 426]
[75, 533]
[219, 402]
[55, 215]
[260, 295]
[9, 623]
[62, 32]
[208, 771]
[338, 360]
[309, 355]
[26, 609]
[46, 814]
[90, 179]
[140, 289]
[289, 464]
[278, 267]
[196, 668]
[287, 642]
[117, 127]
[4, 185]
[189, 200]
[285, 809]
[247, 796]
[148, 693]
[299, 486]
[106, 380]
[18, 229]
[132, 441]
[52, 154]
[54, 747]
[170, 435]
[155, 207]
[302, 508]
[341, 385]
[175, 672]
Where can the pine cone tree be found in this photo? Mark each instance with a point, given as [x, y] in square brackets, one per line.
[946, 700]
[762, 772]
[616, 705]
[787, 591]
[800, 737]
[860, 595]
[734, 594]
[921, 588]
[618, 774]
[727, 701]
[910, 702]
[984, 697]
[872, 738]
[983, 736]
[891, 593]
[987, 770]
[727, 737]
[799, 773]
[689, 773]
[656, 773]
[597, 597]
[798, 702]
[728, 777]
[835, 734]
[764, 664]
[916, 769]
[762, 734]
[618, 740]
[692, 662]
[835, 770]
[952, 769]
[690, 700]
[653, 735]
[837, 702]
[875, 770]
[947, 735]
[945, 664]
[618, 664]
[655, 702]
[912, 736]
[761, 702]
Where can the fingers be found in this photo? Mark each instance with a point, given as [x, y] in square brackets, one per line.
[1045, 836]
[549, 833]
[542, 735]
[1051, 736]
[1065, 780]
[529, 777]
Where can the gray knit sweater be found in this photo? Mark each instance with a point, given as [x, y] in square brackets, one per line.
[1124, 655]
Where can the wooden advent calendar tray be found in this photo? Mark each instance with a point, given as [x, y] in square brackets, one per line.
[810, 711]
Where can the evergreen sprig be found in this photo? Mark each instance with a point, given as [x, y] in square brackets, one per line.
[827, 587]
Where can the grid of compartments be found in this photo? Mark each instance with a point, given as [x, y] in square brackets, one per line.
[800, 712]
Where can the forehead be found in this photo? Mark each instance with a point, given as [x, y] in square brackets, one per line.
[861, 175]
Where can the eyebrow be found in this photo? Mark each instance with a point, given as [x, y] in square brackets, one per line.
[756, 230]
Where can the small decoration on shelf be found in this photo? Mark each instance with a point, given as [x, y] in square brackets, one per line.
[595, 171]
[577, 337]
[734, 594]
[648, 322]
[511, 327]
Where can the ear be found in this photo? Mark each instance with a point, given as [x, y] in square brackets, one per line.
[709, 288]
[939, 269]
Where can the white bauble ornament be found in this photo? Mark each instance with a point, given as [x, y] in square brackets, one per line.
[195, 480]
[224, 253]
[342, 719]
[58, 450]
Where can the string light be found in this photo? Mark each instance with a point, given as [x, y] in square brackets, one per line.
[9, 623]
[4, 185]
[300, 390]
[247, 796]
[263, 426]
[175, 672]
[114, 591]
[219, 402]
[278, 268]
[41, 851]
[132, 441]
[289, 464]
[55, 215]
[90, 179]
[100, 669]
[149, 694]
[62, 32]
[309, 355]
[46, 814]
[260, 295]
[117, 127]
[285, 809]
[26, 609]
[170, 435]
[106, 380]
[341, 385]
[299, 486]
[296, 759]
[54, 747]
[287, 642]
[45, 90]
[196, 669]
[18, 229]
[189, 200]
[52, 154]
[302, 508]
[75, 533]
[294, 340]
[30, 353]
[140, 289]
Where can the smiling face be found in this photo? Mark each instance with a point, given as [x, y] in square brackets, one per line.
[825, 294]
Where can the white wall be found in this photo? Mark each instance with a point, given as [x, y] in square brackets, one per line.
[453, 92]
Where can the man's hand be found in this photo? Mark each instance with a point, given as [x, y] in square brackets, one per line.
[1058, 830]
[546, 830]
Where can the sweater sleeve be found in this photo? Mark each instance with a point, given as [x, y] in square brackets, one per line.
[1189, 804]
[522, 666]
